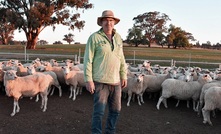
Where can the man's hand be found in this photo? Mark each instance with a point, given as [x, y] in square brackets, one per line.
[90, 86]
[123, 83]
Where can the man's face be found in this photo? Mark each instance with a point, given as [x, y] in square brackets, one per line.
[108, 24]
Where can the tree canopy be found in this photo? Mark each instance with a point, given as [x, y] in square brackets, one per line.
[151, 23]
[32, 16]
[6, 28]
[178, 37]
[69, 38]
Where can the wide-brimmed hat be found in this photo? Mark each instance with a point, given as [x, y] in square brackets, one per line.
[107, 14]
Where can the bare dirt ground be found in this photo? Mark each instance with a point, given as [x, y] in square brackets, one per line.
[67, 116]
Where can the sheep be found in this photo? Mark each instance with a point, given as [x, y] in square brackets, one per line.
[29, 85]
[31, 70]
[182, 90]
[152, 83]
[212, 101]
[135, 85]
[57, 70]
[21, 70]
[202, 94]
[132, 69]
[146, 68]
[188, 76]
[74, 79]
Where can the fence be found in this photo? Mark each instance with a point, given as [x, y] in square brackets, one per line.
[27, 58]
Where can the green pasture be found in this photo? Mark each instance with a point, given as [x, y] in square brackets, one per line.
[141, 52]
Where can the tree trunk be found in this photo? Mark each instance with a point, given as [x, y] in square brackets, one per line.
[4, 40]
[32, 39]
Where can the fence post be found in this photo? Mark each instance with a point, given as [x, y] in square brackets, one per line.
[171, 64]
[79, 58]
[25, 53]
[189, 59]
[134, 57]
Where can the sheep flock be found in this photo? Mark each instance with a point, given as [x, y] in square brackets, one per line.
[200, 86]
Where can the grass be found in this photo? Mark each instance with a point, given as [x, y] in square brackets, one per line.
[143, 53]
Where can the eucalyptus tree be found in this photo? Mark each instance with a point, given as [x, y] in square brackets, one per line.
[6, 28]
[33, 16]
[151, 23]
[178, 38]
[134, 36]
[69, 38]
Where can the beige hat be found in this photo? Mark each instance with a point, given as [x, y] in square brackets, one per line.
[107, 14]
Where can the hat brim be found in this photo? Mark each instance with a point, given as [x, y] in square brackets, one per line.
[99, 20]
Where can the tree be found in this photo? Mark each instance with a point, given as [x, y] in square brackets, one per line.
[57, 42]
[42, 42]
[178, 37]
[160, 38]
[6, 28]
[135, 36]
[69, 38]
[32, 16]
[151, 23]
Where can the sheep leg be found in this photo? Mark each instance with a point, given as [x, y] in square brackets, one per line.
[44, 101]
[206, 117]
[60, 91]
[74, 92]
[214, 113]
[188, 104]
[71, 92]
[77, 90]
[165, 103]
[37, 98]
[194, 106]
[141, 98]
[16, 107]
[178, 102]
[52, 90]
[129, 98]
[159, 102]
[138, 99]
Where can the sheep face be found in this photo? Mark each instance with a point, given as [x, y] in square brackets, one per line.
[188, 76]
[146, 63]
[139, 77]
[10, 74]
[207, 78]
[66, 69]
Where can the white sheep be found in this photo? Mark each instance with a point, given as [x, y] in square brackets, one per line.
[32, 70]
[132, 69]
[135, 85]
[152, 83]
[29, 85]
[57, 70]
[202, 94]
[212, 101]
[182, 90]
[21, 70]
[187, 76]
[75, 79]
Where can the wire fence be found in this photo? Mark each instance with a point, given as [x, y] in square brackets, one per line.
[27, 58]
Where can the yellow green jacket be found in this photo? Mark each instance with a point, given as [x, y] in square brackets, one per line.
[104, 62]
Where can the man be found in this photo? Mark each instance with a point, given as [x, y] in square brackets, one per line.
[105, 72]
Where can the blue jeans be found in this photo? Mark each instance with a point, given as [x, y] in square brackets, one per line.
[106, 94]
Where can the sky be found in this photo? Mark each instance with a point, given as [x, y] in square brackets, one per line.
[202, 18]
